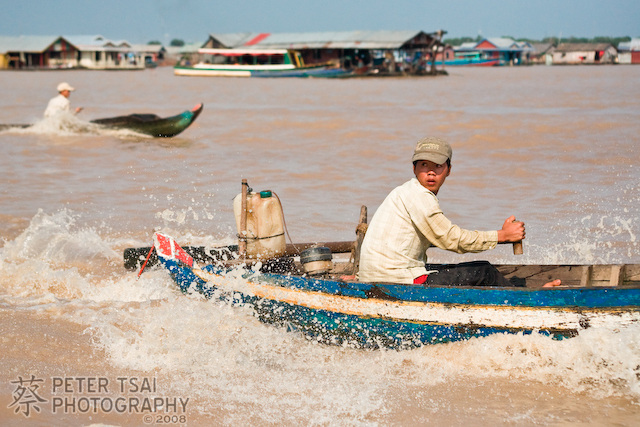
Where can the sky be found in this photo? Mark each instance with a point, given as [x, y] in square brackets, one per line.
[141, 21]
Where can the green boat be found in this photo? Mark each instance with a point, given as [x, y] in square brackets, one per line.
[153, 125]
[146, 124]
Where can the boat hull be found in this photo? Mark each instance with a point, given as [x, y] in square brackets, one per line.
[320, 71]
[152, 125]
[405, 316]
[146, 124]
[470, 63]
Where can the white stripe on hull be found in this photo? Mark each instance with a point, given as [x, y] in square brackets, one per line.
[211, 73]
[504, 317]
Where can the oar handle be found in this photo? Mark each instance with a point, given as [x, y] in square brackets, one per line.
[517, 246]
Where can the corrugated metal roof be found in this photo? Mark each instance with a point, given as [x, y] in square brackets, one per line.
[633, 45]
[503, 42]
[148, 48]
[540, 48]
[320, 40]
[88, 42]
[31, 44]
[582, 47]
[466, 46]
[234, 39]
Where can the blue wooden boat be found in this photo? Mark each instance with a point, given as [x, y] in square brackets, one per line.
[469, 59]
[398, 316]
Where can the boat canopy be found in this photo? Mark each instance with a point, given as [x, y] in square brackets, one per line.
[240, 52]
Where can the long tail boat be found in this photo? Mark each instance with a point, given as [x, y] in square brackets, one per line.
[153, 125]
[306, 290]
[146, 124]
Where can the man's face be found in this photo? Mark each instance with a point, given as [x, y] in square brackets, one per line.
[65, 93]
[431, 175]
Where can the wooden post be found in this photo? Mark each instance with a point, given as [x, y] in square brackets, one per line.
[242, 241]
[585, 277]
[617, 275]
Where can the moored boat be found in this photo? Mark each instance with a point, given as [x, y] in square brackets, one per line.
[469, 59]
[254, 63]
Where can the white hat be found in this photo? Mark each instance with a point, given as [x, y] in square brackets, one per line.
[65, 86]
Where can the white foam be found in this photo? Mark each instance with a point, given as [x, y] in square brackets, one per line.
[215, 352]
[68, 124]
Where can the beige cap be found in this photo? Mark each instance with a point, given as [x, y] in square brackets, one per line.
[65, 86]
[433, 149]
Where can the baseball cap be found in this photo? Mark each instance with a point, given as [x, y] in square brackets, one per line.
[433, 149]
[65, 86]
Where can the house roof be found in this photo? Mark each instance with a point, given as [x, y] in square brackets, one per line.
[495, 43]
[97, 42]
[32, 44]
[541, 48]
[155, 48]
[188, 48]
[503, 42]
[320, 40]
[582, 47]
[467, 46]
[634, 45]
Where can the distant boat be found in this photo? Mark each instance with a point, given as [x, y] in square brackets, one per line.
[147, 124]
[469, 58]
[153, 125]
[255, 63]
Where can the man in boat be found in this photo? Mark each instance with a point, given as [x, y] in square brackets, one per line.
[61, 103]
[410, 220]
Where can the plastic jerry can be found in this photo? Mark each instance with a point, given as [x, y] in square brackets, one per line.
[265, 224]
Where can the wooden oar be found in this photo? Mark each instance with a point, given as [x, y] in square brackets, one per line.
[242, 237]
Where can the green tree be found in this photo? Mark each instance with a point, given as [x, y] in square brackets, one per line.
[176, 43]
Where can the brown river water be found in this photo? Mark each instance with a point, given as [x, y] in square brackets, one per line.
[554, 146]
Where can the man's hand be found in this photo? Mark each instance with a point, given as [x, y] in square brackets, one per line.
[512, 231]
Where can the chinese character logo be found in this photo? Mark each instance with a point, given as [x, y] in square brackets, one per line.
[25, 396]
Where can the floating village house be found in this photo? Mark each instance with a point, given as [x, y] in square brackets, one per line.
[99, 53]
[36, 52]
[61, 52]
[541, 53]
[412, 52]
[584, 53]
[492, 51]
[151, 54]
[629, 52]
